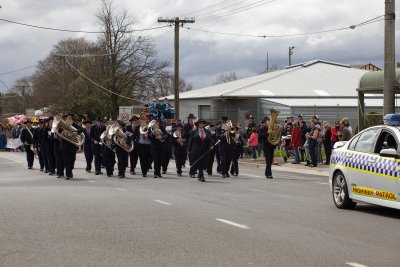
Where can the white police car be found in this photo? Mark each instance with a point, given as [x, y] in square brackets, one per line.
[367, 168]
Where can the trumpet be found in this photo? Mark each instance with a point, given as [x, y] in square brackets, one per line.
[178, 136]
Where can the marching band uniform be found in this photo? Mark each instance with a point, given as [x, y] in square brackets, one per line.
[237, 147]
[122, 155]
[37, 145]
[133, 156]
[95, 133]
[167, 152]
[87, 145]
[225, 148]
[68, 150]
[143, 149]
[27, 139]
[269, 148]
[109, 159]
[198, 147]
[187, 128]
[48, 137]
[180, 150]
[57, 154]
[157, 149]
[213, 152]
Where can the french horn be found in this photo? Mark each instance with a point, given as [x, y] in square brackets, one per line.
[64, 130]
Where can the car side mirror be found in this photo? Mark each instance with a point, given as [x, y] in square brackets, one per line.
[389, 153]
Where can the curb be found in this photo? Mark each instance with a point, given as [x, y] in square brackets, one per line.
[320, 172]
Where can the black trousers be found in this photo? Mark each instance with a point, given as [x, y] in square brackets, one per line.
[180, 154]
[218, 157]
[144, 153]
[41, 153]
[328, 152]
[68, 152]
[30, 156]
[157, 153]
[235, 164]
[108, 160]
[58, 159]
[122, 157]
[200, 165]
[51, 160]
[133, 158]
[211, 162]
[88, 156]
[96, 149]
[269, 157]
[226, 159]
[167, 153]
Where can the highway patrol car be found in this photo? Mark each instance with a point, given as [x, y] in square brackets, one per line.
[367, 168]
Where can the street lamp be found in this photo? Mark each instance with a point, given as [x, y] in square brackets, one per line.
[290, 55]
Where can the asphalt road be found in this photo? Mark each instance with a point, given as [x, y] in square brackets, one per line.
[178, 221]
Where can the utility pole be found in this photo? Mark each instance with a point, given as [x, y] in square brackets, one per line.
[290, 55]
[267, 62]
[177, 23]
[389, 65]
[23, 93]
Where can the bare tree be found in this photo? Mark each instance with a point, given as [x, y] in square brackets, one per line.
[225, 78]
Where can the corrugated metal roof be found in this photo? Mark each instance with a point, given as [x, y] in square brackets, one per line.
[311, 79]
[330, 102]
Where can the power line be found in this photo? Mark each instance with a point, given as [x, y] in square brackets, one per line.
[237, 10]
[9, 72]
[374, 20]
[208, 7]
[90, 80]
[74, 31]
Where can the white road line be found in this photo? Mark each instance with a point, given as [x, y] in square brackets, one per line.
[321, 183]
[355, 264]
[256, 190]
[92, 181]
[10, 159]
[234, 224]
[162, 202]
[121, 189]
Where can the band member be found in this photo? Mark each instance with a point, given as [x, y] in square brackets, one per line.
[59, 162]
[167, 151]
[252, 125]
[143, 146]
[178, 143]
[214, 140]
[38, 146]
[225, 146]
[108, 158]
[87, 145]
[264, 132]
[130, 130]
[198, 149]
[122, 154]
[48, 138]
[27, 139]
[237, 148]
[68, 150]
[157, 137]
[187, 128]
[95, 132]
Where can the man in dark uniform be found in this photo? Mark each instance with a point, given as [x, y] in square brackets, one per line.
[87, 145]
[122, 154]
[213, 152]
[167, 150]
[48, 138]
[199, 149]
[225, 147]
[95, 132]
[27, 139]
[157, 137]
[143, 144]
[178, 143]
[269, 148]
[130, 129]
[37, 145]
[56, 142]
[252, 125]
[108, 158]
[68, 150]
[187, 128]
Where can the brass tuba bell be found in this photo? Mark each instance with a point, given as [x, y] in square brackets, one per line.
[275, 137]
[64, 130]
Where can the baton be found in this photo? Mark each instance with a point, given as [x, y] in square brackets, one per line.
[202, 156]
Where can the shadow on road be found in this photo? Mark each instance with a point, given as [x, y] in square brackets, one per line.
[377, 210]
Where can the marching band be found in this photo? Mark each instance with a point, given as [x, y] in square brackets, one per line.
[150, 138]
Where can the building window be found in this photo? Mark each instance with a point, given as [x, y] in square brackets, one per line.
[205, 112]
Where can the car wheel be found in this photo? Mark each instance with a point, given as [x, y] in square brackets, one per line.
[340, 192]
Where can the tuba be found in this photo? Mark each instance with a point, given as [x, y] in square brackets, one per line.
[120, 138]
[230, 129]
[68, 132]
[275, 137]
[106, 138]
[156, 131]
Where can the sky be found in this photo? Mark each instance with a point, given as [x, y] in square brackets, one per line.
[203, 55]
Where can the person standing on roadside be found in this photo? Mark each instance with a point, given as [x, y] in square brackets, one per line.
[253, 143]
[327, 142]
[296, 142]
[312, 137]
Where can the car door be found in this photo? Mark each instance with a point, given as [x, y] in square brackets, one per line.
[349, 160]
[384, 175]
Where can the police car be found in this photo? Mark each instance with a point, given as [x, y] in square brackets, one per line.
[367, 168]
